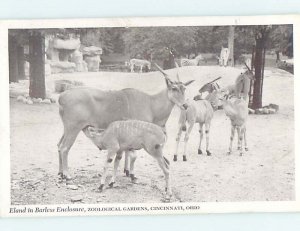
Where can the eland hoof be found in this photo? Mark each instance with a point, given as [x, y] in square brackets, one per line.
[246, 149]
[167, 197]
[101, 187]
[133, 179]
[126, 172]
[228, 153]
[208, 153]
[199, 152]
[184, 158]
[111, 184]
[66, 177]
[175, 158]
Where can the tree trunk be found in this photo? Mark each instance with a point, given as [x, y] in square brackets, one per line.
[13, 59]
[37, 88]
[258, 65]
[231, 45]
[21, 62]
[251, 83]
[263, 69]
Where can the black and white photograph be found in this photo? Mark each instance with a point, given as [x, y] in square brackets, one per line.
[151, 115]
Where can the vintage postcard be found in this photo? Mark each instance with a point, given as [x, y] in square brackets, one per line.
[140, 116]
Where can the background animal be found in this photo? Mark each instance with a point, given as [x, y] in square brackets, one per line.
[224, 56]
[241, 87]
[140, 63]
[191, 62]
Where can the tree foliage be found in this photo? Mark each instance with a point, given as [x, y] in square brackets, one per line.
[281, 39]
[109, 39]
[154, 41]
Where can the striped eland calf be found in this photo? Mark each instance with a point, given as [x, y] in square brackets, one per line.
[120, 136]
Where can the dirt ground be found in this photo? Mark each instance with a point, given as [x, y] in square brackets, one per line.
[265, 173]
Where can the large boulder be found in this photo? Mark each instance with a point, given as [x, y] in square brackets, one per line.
[69, 44]
[92, 51]
[77, 58]
[93, 62]
[287, 65]
[81, 67]
[64, 84]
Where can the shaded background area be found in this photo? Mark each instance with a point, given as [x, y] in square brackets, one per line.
[36, 53]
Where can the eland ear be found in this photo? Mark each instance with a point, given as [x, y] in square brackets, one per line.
[100, 130]
[93, 131]
[97, 130]
[188, 82]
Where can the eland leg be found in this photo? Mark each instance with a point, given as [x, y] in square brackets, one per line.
[231, 138]
[133, 157]
[245, 140]
[240, 138]
[116, 165]
[60, 168]
[65, 145]
[186, 139]
[177, 142]
[201, 138]
[164, 165]
[126, 165]
[109, 159]
[207, 127]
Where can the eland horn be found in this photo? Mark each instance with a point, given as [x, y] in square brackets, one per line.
[177, 75]
[247, 67]
[215, 80]
[161, 70]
